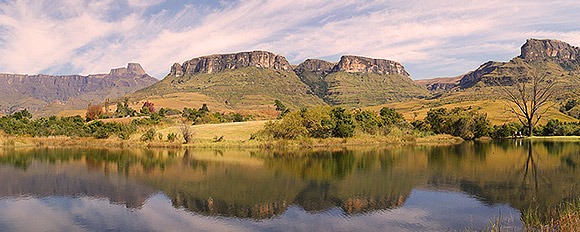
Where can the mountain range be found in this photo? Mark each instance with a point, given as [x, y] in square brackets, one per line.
[46, 94]
[253, 80]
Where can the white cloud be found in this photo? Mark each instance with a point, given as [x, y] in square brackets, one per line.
[431, 38]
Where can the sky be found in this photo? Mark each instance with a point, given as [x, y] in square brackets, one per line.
[431, 38]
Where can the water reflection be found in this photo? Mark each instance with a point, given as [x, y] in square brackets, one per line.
[259, 185]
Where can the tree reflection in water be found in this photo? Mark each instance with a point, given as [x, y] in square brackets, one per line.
[264, 184]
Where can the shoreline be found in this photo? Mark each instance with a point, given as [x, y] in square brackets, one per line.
[302, 143]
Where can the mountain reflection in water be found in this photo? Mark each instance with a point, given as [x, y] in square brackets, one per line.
[452, 187]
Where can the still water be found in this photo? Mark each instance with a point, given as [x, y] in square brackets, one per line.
[411, 188]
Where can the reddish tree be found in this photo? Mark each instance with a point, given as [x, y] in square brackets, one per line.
[93, 112]
[150, 106]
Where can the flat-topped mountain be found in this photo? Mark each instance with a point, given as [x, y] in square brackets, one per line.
[45, 93]
[253, 80]
[357, 81]
[239, 81]
[223, 62]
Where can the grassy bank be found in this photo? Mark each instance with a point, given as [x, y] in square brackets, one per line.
[225, 135]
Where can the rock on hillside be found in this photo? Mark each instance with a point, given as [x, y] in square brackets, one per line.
[35, 92]
[315, 66]
[535, 49]
[358, 64]
[223, 62]
[439, 84]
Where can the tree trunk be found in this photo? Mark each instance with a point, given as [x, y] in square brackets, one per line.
[530, 127]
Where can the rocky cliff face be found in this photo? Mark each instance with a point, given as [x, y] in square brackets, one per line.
[36, 91]
[473, 77]
[315, 66]
[368, 65]
[224, 62]
[439, 84]
[535, 49]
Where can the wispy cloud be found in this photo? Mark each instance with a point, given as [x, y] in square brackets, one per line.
[431, 38]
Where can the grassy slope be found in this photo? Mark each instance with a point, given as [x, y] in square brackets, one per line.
[495, 109]
[241, 89]
[367, 89]
[236, 131]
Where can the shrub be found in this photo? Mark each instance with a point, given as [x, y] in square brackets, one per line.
[171, 137]
[461, 122]
[506, 130]
[390, 116]
[149, 135]
[94, 112]
[187, 133]
[367, 121]
[344, 123]
[289, 127]
[148, 107]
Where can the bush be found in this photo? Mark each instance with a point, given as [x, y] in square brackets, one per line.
[461, 122]
[506, 130]
[94, 112]
[555, 127]
[367, 121]
[390, 116]
[187, 133]
[149, 135]
[344, 123]
[171, 137]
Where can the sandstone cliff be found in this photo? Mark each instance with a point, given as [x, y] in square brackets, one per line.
[222, 62]
[34, 92]
[535, 49]
[360, 64]
[315, 66]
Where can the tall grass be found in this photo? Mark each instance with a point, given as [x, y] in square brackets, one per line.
[563, 217]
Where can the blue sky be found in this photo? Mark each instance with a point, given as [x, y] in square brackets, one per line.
[430, 38]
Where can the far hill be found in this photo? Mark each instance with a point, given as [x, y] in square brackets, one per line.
[478, 88]
[359, 81]
[46, 95]
[240, 81]
[559, 60]
[253, 80]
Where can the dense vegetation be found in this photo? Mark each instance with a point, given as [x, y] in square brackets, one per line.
[326, 122]
[21, 123]
[571, 107]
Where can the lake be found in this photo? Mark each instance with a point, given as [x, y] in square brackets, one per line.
[408, 188]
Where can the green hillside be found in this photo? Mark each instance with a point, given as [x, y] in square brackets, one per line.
[369, 89]
[237, 89]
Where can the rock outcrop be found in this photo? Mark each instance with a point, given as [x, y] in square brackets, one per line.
[535, 49]
[315, 66]
[474, 76]
[34, 92]
[439, 84]
[360, 64]
[223, 62]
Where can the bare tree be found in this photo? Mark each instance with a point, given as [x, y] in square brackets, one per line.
[529, 98]
[186, 132]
